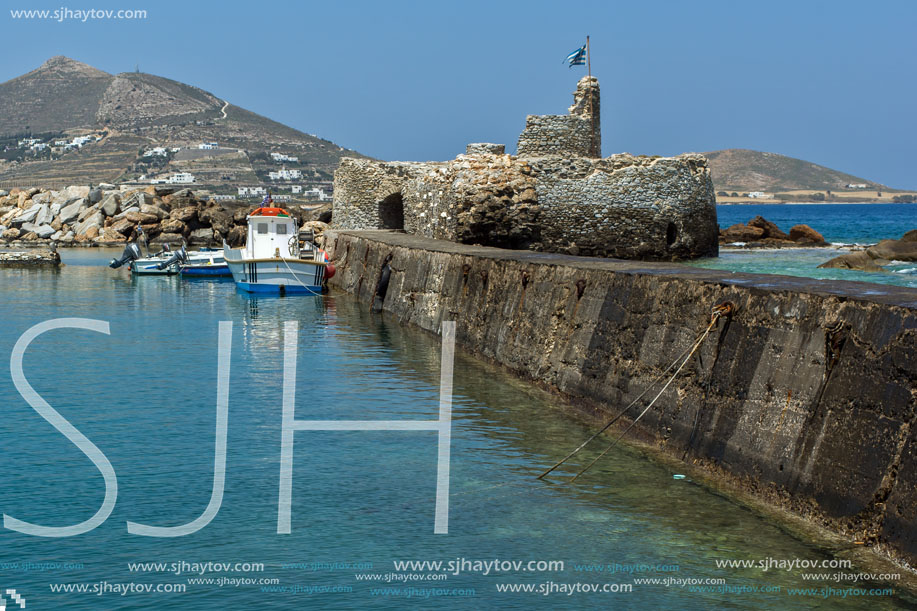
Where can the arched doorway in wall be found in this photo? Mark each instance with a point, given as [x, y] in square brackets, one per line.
[391, 212]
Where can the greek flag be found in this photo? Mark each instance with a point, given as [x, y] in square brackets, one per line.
[577, 58]
[267, 200]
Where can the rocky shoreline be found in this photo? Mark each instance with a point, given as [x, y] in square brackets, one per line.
[108, 216]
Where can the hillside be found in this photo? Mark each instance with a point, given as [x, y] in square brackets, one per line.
[133, 112]
[745, 170]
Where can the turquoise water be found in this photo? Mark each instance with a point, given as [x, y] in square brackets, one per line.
[838, 223]
[145, 395]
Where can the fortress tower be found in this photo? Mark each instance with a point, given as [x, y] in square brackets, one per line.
[578, 134]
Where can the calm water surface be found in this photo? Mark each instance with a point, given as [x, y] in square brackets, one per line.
[145, 395]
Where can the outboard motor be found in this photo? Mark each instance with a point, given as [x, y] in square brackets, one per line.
[180, 257]
[131, 252]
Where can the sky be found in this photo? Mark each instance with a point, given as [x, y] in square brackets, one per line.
[829, 82]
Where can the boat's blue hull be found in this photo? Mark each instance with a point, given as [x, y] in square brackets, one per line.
[207, 271]
[279, 289]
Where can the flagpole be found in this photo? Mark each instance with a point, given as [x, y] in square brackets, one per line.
[591, 91]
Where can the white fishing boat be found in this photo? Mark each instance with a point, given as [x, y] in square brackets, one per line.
[274, 260]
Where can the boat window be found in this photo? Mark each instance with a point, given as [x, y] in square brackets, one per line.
[262, 228]
[281, 229]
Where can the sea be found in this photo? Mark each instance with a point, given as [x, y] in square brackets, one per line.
[844, 226]
[634, 532]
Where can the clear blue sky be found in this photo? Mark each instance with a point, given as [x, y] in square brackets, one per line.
[830, 82]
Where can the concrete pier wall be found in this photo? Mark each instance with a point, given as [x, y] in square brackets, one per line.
[806, 395]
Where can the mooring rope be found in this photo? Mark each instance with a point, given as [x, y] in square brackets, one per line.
[724, 309]
[296, 277]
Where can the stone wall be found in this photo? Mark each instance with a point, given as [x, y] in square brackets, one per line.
[627, 207]
[556, 195]
[621, 206]
[577, 134]
[805, 396]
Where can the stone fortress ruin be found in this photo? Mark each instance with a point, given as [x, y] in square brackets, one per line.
[557, 194]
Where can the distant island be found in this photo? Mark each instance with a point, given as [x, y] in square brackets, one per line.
[745, 176]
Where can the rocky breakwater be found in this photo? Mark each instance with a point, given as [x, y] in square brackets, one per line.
[760, 232]
[875, 257]
[107, 215]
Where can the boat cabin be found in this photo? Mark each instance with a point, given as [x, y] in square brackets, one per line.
[272, 233]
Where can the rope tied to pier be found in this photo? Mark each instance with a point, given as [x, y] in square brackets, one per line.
[725, 309]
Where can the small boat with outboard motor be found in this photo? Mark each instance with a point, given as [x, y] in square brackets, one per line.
[276, 258]
[167, 262]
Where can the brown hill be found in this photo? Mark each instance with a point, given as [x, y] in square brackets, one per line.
[745, 170]
[136, 111]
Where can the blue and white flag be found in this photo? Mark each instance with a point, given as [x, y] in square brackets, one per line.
[577, 58]
[267, 200]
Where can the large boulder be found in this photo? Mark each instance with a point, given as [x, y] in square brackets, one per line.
[76, 191]
[26, 217]
[45, 231]
[168, 238]
[153, 211]
[95, 196]
[855, 260]
[741, 232]
[91, 210]
[201, 236]
[140, 217]
[126, 211]
[236, 236]
[217, 218]
[151, 229]
[11, 234]
[108, 236]
[109, 205]
[70, 212]
[44, 215]
[770, 229]
[44, 197]
[94, 220]
[240, 216]
[173, 226]
[803, 234]
[185, 214]
[123, 226]
[894, 250]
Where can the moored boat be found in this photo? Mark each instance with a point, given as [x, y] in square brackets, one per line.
[206, 262]
[274, 260]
